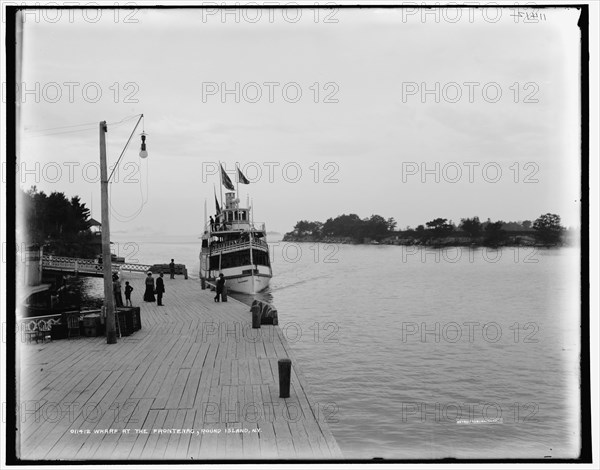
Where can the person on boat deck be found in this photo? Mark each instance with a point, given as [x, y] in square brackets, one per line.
[220, 285]
[212, 224]
[149, 293]
[160, 289]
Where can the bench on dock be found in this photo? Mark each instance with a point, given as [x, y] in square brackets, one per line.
[165, 269]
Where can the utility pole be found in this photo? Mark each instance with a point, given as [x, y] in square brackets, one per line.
[109, 300]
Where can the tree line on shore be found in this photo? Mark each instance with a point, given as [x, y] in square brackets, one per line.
[545, 230]
[58, 223]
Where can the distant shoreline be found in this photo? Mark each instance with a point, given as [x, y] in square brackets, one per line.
[441, 242]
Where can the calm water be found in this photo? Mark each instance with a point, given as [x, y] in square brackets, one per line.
[399, 345]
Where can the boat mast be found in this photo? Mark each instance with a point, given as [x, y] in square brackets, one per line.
[221, 185]
[250, 239]
[237, 181]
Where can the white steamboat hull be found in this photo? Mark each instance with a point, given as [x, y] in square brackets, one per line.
[238, 281]
[251, 284]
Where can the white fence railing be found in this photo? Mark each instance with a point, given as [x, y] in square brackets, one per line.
[37, 323]
[89, 266]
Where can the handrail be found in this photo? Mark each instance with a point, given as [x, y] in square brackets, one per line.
[248, 226]
[88, 265]
[237, 245]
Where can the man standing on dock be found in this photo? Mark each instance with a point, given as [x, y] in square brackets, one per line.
[219, 288]
[160, 289]
[172, 268]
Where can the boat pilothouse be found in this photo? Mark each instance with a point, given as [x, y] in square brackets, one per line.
[237, 247]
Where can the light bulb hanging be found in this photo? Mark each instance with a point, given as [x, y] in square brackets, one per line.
[143, 152]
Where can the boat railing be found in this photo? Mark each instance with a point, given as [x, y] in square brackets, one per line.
[234, 245]
[236, 225]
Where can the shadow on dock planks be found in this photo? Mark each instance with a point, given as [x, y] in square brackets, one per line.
[195, 383]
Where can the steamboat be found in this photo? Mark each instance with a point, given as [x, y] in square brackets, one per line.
[233, 244]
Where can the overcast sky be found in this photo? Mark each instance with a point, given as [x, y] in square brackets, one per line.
[356, 140]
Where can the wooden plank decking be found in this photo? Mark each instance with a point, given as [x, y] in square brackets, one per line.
[196, 383]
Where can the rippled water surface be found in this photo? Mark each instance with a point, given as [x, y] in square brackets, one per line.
[428, 354]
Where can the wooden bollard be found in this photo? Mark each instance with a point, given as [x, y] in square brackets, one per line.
[224, 294]
[274, 316]
[285, 373]
[264, 309]
[256, 314]
[203, 283]
[185, 274]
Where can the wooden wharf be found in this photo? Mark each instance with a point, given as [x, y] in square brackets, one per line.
[196, 383]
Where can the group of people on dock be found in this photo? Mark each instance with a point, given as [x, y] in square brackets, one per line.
[151, 291]
[155, 290]
[117, 292]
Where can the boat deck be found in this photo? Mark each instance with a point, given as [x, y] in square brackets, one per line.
[195, 383]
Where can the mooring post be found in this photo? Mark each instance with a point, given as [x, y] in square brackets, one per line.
[224, 294]
[256, 314]
[203, 283]
[285, 372]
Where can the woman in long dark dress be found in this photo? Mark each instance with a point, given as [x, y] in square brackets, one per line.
[149, 294]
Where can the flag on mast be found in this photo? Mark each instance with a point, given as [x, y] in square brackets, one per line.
[226, 181]
[217, 207]
[241, 178]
